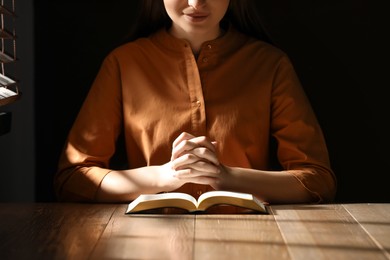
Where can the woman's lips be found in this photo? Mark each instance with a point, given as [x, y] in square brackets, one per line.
[196, 17]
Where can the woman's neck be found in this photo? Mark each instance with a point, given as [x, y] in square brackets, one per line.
[196, 39]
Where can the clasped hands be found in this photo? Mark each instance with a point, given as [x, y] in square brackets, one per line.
[194, 159]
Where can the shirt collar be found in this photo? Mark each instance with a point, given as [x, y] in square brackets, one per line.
[228, 42]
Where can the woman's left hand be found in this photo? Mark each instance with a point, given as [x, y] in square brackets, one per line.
[195, 159]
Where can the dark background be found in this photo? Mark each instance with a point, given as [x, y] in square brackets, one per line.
[334, 46]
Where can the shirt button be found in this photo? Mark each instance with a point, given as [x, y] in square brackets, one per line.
[209, 46]
[205, 59]
[199, 192]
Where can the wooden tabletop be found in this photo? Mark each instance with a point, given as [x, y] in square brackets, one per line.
[103, 231]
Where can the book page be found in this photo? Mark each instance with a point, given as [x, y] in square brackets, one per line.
[163, 200]
[244, 200]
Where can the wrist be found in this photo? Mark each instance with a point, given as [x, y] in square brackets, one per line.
[225, 179]
[165, 180]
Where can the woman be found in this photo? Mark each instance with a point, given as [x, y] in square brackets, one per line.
[197, 93]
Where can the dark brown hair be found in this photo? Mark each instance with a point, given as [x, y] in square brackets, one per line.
[242, 14]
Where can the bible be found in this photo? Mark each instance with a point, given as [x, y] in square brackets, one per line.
[189, 203]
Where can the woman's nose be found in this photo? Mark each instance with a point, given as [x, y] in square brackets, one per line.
[196, 3]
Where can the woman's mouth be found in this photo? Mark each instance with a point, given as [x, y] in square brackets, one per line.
[196, 17]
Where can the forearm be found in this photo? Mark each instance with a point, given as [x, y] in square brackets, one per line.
[269, 186]
[126, 185]
[196, 161]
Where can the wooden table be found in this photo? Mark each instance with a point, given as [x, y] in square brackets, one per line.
[102, 231]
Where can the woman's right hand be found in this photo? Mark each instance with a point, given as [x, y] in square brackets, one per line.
[194, 160]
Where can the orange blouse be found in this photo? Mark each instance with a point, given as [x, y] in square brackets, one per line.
[239, 91]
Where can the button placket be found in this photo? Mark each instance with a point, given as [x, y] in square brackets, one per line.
[196, 93]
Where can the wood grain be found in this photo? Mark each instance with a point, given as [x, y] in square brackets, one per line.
[51, 231]
[375, 220]
[147, 236]
[104, 231]
[238, 237]
[324, 232]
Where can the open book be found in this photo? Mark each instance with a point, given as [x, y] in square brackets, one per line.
[189, 203]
